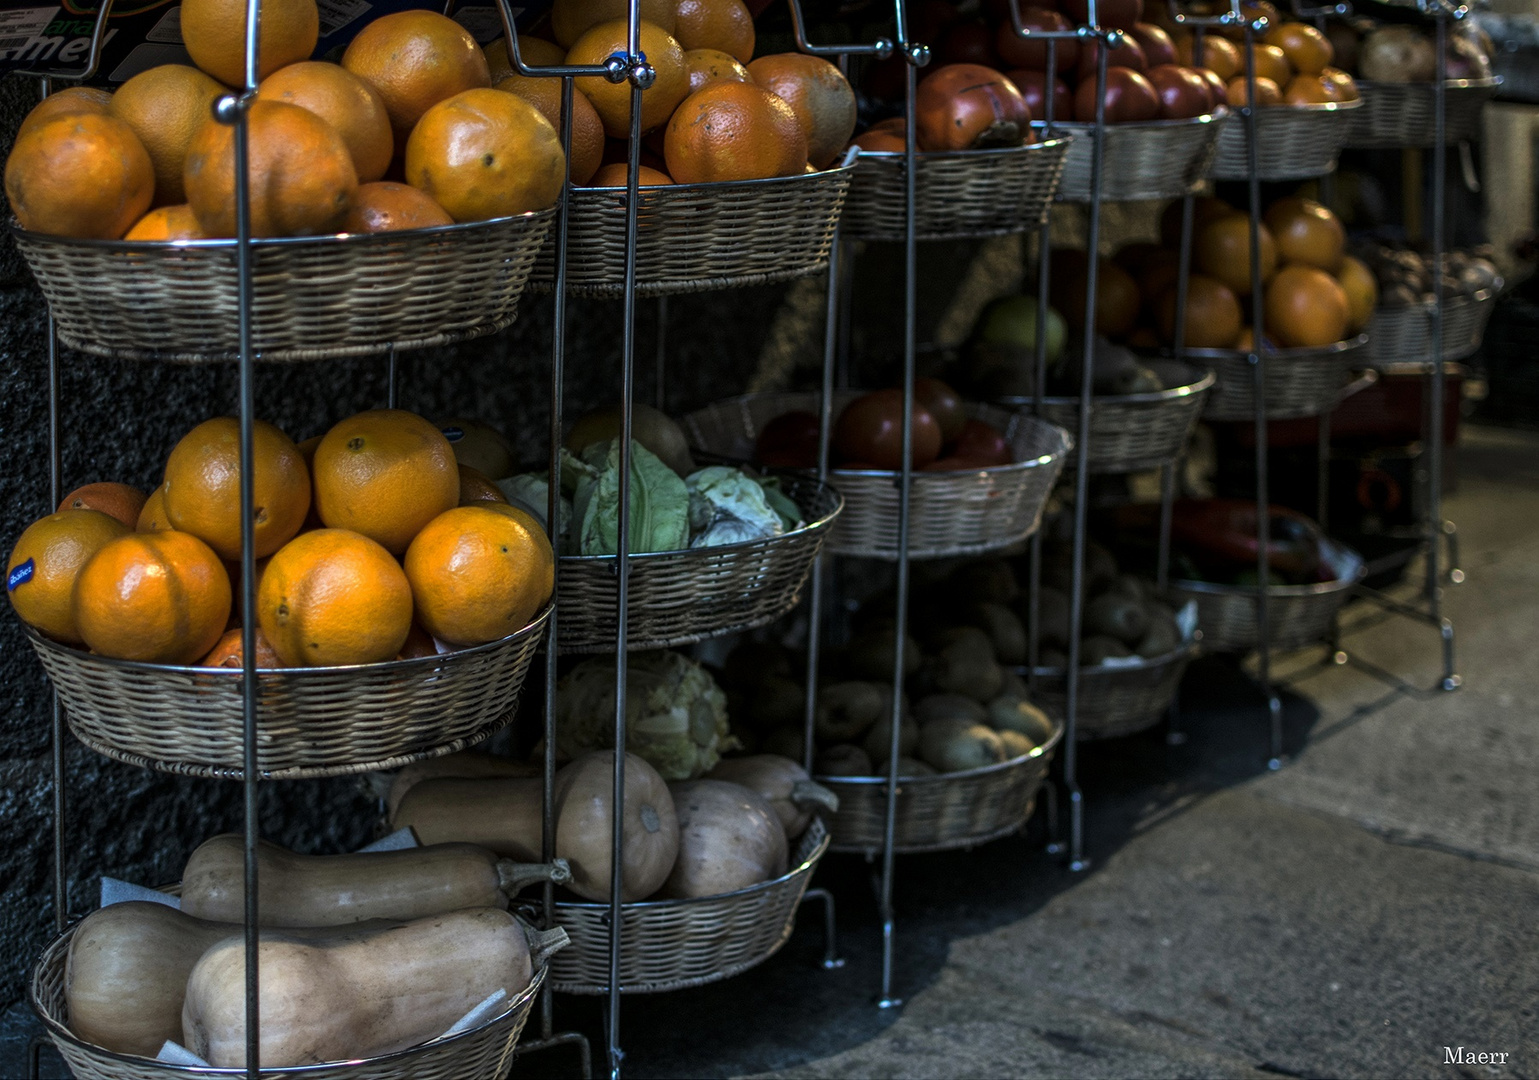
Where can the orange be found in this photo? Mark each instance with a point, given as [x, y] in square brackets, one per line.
[734, 131]
[67, 102]
[1306, 232]
[486, 154]
[1306, 307]
[1205, 208]
[1222, 251]
[384, 473]
[570, 19]
[159, 597]
[1117, 298]
[725, 25]
[167, 223]
[708, 65]
[1308, 51]
[1238, 92]
[214, 32]
[228, 653]
[80, 174]
[415, 59]
[1339, 85]
[614, 176]
[385, 206]
[345, 102]
[478, 573]
[202, 488]
[1272, 64]
[1308, 90]
[122, 501]
[535, 52]
[48, 556]
[418, 643]
[1213, 316]
[1220, 56]
[303, 176]
[820, 96]
[587, 128]
[332, 597]
[1246, 342]
[166, 106]
[477, 487]
[480, 445]
[613, 100]
[1362, 290]
[1158, 273]
[153, 517]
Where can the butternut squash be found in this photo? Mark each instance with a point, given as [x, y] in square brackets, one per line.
[500, 813]
[729, 839]
[331, 890]
[649, 826]
[126, 974]
[783, 784]
[364, 991]
[466, 763]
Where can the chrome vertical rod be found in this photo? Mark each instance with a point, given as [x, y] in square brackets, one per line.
[393, 374]
[1434, 515]
[825, 432]
[56, 496]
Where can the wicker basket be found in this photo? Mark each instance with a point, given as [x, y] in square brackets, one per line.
[1299, 614]
[1293, 142]
[1160, 159]
[953, 513]
[680, 597]
[1114, 701]
[1404, 335]
[482, 1053]
[1130, 432]
[695, 237]
[940, 813]
[1395, 115]
[315, 297]
[961, 195]
[310, 721]
[1299, 382]
[675, 944]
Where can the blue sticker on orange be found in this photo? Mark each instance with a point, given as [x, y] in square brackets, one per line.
[454, 434]
[20, 575]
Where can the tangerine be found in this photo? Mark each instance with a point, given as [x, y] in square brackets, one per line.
[1222, 251]
[479, 573]
[613, 176]
[1205, 208]
[587, 128]
[1309, 90]
[344, 101]
[214, 32]
[725, 25]
[416, 59]
[1219, 55]
[570, 19]
[122, 501]
[385, 206]
[229, 653]
[1306, 232]
[166, 106]
[47, 559]
[1306, 307]
[385, 474]
[333, 597]
[161, 597]
[734, 131]
[820, 96]
[486, 154]
[479, 445]
[202, 488]
[80, 174]
[1213, 315]
[167, 223]
[1238, 92]
[1308, 51]
[1272, 63]
[613, 100]
[1117, 298]
[302, 177]
[707, 65]
[67, 102]
[1362, 290]
[476, 487]
[153, 517]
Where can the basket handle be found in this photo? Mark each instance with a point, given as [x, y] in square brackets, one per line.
[513, 877]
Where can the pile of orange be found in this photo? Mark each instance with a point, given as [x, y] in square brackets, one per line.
[411, 98]
[1313, 293]
[373, 542]
[1292, 62]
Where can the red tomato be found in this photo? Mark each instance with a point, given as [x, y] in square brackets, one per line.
[943, 403]
[790, 441]
[982, 442]
[870, 431]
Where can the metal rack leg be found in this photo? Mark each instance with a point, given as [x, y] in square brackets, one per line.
[1434, 585]
[393, 377]
[831, 957]
[831, 324]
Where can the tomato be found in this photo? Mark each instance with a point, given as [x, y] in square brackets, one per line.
[943, 403]
[870, 431]
[983, 443]
[790, 441]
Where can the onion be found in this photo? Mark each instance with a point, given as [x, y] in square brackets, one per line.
[1397, 54]
[970, 107]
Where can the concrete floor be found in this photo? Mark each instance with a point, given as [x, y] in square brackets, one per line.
[1375, 901]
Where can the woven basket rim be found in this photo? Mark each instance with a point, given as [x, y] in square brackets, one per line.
[893, 156]
[1205, 379]
[712, 187]
[1036, 753]
[1077, 126]
[1357, 570]
[1185, 651]
[59, 1030]
[1310, 107]
[327, 240]
[1448, 84]
[1308, 352]
[1421, 307]
[707, 552]
[803, 867]
[534, 626]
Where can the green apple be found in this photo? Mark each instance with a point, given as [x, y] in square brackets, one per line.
[1012, 320]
